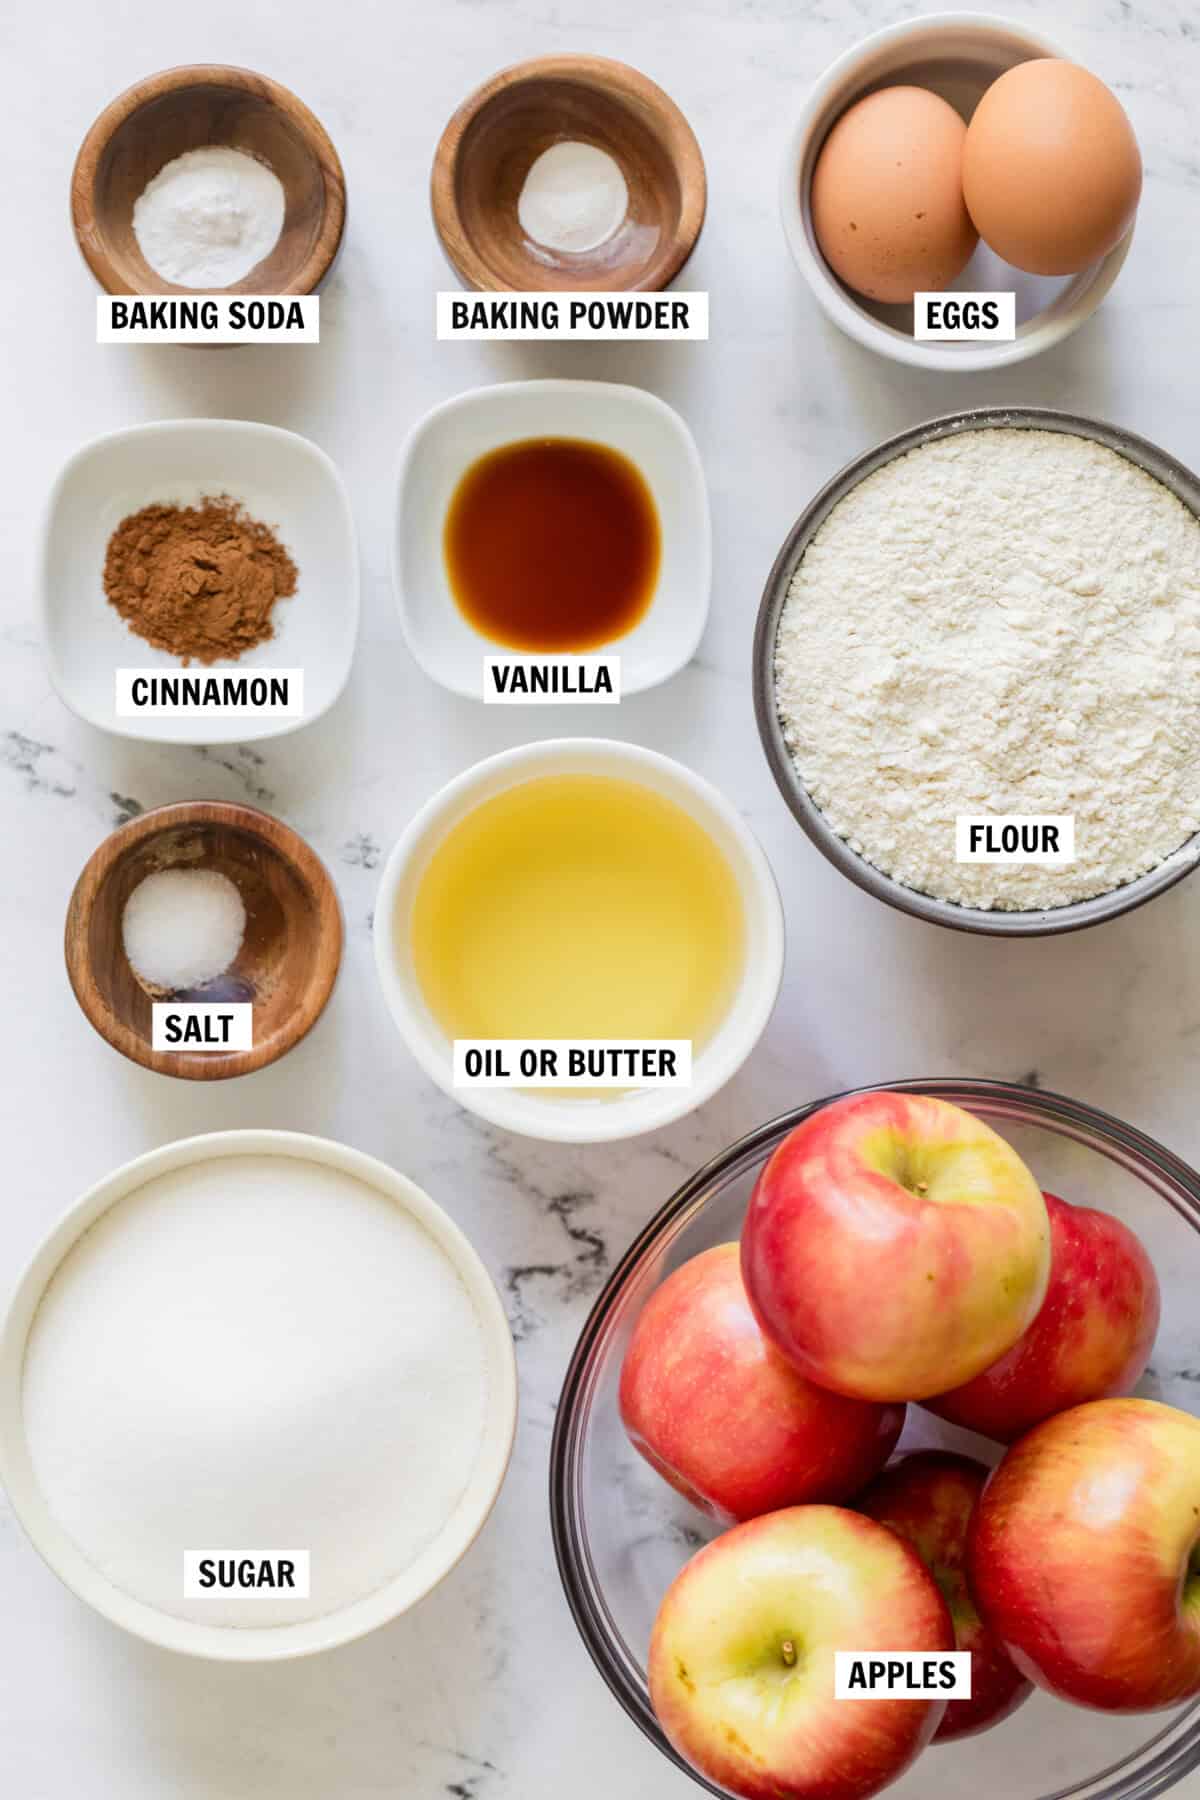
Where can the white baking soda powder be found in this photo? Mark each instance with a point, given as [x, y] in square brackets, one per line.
[254, 1353]
[209, 216]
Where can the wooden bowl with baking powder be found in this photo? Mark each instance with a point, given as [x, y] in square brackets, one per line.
[158, 119]
[496, 136]
[290, 954]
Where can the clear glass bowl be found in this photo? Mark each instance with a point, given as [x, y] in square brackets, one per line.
[621, 1534]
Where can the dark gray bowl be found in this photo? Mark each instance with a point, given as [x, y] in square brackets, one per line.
[1181, 482]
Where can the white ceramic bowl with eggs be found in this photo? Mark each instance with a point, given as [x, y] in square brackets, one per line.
[956, 55]
[278, 1642]
[559, 1118]
[453, 436]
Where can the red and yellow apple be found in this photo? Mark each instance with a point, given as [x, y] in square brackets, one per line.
[1084, 1556]
[928, 1498]
[895, 1246]
[721, 1415]
[741, 1666]
[1090, 1341]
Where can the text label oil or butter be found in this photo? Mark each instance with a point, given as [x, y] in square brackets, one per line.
[565, 1063]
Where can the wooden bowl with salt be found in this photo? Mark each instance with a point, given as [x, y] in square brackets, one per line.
[500, 131]
[290, 953]
[190, 108]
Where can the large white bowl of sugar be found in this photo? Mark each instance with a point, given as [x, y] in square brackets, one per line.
[257, 1396]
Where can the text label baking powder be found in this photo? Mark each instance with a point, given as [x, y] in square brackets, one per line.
[542, 318]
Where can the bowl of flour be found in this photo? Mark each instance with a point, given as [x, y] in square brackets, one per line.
[980, 642]
[257, 1396]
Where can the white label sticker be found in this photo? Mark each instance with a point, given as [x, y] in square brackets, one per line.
[864, 1675]
[538, 318]
[208, 319]
[1014, 838]
[552, 680]
[568, 1063]
[201, 1025]
[941, 318]
[275, 1574]
[217, 693]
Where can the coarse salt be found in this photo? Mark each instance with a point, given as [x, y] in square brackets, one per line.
[183, 927]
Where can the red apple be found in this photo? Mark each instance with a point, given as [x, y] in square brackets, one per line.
[895, 1246]
[720, 1414]
[741, 1664]
[928, 1497]
[1091, 1340]
[1083, 1555]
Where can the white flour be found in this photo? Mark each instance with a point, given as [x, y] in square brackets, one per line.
[209, 217]
[1005, 621]
[256, 1353]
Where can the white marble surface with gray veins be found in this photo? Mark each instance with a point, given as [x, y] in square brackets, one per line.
[485, 1693]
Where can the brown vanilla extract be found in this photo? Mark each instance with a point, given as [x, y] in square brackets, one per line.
[552, 544]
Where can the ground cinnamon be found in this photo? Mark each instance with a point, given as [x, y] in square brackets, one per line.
[198, 581]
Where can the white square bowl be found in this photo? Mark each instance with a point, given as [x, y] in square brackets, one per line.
[443, 446]
[281, 479]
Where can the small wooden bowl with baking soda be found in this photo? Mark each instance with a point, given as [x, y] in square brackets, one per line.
[289, 956]
[190, 108]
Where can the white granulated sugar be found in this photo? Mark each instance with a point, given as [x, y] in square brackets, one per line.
[254, 1353]
[1003, 621]
[209, 216]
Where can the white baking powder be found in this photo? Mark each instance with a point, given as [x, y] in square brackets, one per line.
[1003, 621]
[254, 1353]
[209, 217]
[573, 199]
[183, 927]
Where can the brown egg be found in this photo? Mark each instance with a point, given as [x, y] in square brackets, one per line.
[1051, 169]
[887, 200]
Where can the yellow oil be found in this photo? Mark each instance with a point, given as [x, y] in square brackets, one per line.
[578, 906]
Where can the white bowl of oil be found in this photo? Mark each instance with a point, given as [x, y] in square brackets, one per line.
[587, 890]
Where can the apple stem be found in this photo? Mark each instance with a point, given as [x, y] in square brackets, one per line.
[788, 1652]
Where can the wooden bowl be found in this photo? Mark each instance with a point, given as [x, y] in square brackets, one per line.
[289, 957]
[182, 109]
[494, 138]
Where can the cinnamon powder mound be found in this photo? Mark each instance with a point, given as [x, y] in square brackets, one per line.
[198, 581]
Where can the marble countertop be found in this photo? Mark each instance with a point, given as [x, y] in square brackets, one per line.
[485, 1693]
